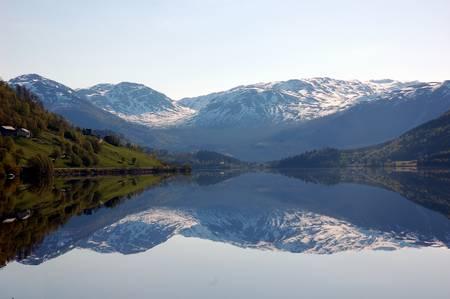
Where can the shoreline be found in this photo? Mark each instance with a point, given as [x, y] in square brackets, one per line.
[101, 171]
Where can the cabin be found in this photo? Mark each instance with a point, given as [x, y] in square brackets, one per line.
[22, 132]
[8, 131]
[11, 131]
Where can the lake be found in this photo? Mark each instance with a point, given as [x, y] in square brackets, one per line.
[299, 234]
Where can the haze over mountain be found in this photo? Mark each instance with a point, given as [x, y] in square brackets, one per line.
[427, 144]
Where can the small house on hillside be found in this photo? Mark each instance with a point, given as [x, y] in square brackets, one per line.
[22, 132]
[8, 131]
[11, 131]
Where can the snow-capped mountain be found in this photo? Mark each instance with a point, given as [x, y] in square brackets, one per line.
[388, 109]
[286, 101]
[273, 103]
[53, 95]
[386, 117]
[257, 122]
[63, 100]
[136, 103]
[414, 90]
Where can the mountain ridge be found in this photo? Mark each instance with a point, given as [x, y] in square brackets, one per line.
[289, 101]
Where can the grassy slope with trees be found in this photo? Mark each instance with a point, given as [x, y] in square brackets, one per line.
[54, 139]
[426, 145]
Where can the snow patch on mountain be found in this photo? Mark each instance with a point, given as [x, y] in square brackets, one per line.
[281, 102]
[285, 101]
[136, 103]
[409, 91]
[51, 93]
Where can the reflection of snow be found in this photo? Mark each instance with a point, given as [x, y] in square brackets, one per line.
[286, 230]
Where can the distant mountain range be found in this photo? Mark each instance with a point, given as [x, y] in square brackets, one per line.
[255, 122]
[284, 102]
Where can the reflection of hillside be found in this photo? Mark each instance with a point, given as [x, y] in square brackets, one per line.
[427, 188]
[52, 206]
[255, 210]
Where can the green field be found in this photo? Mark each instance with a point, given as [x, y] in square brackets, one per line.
[109, 155]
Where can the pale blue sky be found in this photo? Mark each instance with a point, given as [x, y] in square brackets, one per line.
[188, 48]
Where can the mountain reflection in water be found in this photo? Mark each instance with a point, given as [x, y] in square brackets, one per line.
[319, 212]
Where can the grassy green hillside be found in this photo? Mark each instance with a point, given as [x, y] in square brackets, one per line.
[427, 145]
[55, 139]
[108, 155]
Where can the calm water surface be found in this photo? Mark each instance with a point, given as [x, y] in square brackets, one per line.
[316, 234]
